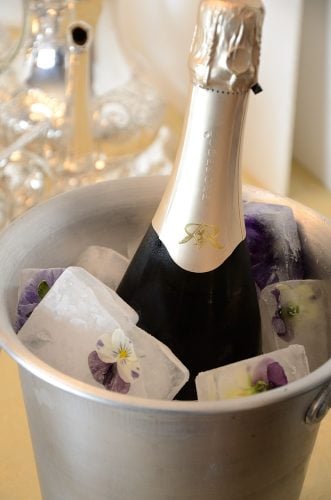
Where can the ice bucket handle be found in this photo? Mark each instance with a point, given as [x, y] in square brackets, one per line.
[320, 406]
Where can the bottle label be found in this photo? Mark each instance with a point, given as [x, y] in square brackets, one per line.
[200, 219]
[202, 234]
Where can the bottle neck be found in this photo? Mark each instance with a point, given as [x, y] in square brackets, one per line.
[200, 219]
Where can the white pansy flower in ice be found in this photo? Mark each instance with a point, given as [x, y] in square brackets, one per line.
[104, 348]
[114, 362]
[118, 348]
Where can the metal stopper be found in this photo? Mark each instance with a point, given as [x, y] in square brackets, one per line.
[225, 50]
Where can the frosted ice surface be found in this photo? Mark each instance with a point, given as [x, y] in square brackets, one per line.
[297, 312]
[251, 376]
[273, 242]
[64, 328]
[104, 263]
[164, 373]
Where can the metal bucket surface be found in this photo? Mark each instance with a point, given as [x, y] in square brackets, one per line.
[91, 443]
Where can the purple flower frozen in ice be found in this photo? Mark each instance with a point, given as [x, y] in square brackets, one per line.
[260, 245]
[278, 322]
[262, 376]
[276, 375]
[268, 374]
[107, 374]
[33, 292]
[114, 363]
[282, 314]
[273, 243]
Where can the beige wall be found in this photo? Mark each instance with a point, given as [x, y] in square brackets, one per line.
[312, 139]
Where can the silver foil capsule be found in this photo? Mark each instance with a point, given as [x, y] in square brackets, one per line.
[225, 50]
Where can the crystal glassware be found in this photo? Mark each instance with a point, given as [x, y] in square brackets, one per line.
[25, 180]
[104, 117]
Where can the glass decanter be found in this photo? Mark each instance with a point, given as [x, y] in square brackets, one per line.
[34, 82]
[132, 133]
[89, 111]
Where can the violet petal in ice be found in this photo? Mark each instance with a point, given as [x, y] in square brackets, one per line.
[98, 368]
[113, 381]
[107, 374]
[281, 316]
[279, 326]
[268, 374]
[276, 375]
[34, 292]
[273, 242]
[278, 322]
[260, 245]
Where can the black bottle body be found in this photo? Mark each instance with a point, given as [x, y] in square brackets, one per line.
[207, 319]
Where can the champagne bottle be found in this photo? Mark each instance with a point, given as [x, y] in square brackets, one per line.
[190, 279]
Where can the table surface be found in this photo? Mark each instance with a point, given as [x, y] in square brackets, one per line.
[18, 476]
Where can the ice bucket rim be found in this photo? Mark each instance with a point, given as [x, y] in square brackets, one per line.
[29, 362]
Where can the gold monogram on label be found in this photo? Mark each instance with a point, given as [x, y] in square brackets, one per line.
[201, 234]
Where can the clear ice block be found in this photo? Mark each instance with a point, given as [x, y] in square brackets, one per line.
[104, 263]
[297, 312]
[254, 375]
[78, 314]
[273, 242]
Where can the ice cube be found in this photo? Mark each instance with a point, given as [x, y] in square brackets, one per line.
[297, 312]
[254, 375]
[69, 325]
[273, 242]
[65, 326]
[104, 263]
[164, 373]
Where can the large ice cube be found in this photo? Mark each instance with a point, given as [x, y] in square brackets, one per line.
[254, 375]
[77, 312]
[273, 242]
[297, 312]
[104, 263]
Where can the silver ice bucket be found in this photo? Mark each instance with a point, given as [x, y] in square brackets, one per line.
[93, 444]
